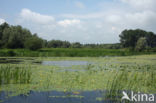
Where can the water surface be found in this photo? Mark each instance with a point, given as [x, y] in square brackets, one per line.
[56, 97]
[65, 63]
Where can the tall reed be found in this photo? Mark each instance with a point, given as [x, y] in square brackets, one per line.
[14, 74]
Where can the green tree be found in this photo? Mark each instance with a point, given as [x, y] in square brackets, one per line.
[2, 28]
[15, 36]
[76, 45]
[54, 43]
[66, 44]
[141, 44]
[45, 43]
[151, 39]
[33, 43]
[129, 38]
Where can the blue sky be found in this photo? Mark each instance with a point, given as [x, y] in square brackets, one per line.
[85, 21]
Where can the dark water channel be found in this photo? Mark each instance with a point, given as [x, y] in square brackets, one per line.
[56, 97]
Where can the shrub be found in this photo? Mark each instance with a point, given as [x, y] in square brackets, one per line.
[33, 43]
[11, 53]
[141, 44]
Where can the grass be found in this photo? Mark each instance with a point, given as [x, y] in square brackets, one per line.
[137, 73]
[14, 74]
[69, 52]
[143, 81]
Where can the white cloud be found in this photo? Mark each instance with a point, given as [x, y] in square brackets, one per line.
[85, 16]
[30, 16]
[2, 21]
[68, 22]
[97, 27]
[141, 18]
[113, 18]
[141, 4]
[79, 5]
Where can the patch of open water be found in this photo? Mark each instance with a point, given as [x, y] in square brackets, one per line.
[57, 97]
[65, 63]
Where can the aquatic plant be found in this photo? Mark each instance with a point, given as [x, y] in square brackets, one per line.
[14, 74]
[137, 73]
[143, 81]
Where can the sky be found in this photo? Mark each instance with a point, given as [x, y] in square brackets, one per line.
[85, 21]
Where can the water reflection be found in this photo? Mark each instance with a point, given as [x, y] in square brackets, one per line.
[10, 60]
[65, 63]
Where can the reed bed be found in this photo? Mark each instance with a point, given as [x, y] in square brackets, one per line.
[10, 74]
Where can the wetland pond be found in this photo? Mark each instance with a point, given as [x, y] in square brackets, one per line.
[73, 79]
[57, 97]
[32, 96]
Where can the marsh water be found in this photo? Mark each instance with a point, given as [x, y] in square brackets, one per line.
[56, 97]
[73, 80]
[47, 96]
[65, 63]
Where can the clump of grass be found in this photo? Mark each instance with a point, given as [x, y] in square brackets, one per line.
[139, 81]
[14, 74]
[89, 67]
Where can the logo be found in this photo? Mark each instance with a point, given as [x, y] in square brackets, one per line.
[138, 97]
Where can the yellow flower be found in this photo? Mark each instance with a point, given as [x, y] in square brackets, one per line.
[65, 90]
[76, 92]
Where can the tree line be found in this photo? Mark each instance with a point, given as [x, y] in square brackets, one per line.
[18, 37]
[137, 39]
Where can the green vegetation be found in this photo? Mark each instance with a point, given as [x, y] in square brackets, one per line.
[141, 44]
[14, 75]
[106, 69]
[129, 38]
[18, 37]
[58, 44]
[33, 43]
[137, 80]
[15, 37]
[71, 52]
[135, 73]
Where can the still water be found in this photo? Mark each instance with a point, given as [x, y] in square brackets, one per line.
[12, 75]
[57, 97]
[65, 63]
